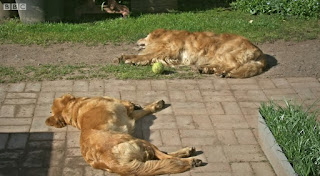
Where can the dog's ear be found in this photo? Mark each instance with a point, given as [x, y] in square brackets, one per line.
[56, 121]
[66, 98]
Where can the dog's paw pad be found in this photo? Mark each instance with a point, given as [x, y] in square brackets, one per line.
[192, 151]
[159, 105]
[196, 163]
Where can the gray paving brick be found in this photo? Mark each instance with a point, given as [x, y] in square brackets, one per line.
[33, 87]
[80, 86]
[205, 84]
[42, 110]
[266, 84]
[243, 153]
[120, 85]
[227, 137]
[170, 137]
[214, 108]
[231, 108]
[245, 136]
[177, 95]
[7, 111]
[67, 171]
[219, 95]
[16, 87]
[228, 121]
[193, 95]
[158, 85]
[143, 85]
[19, 101]
[250, 95]
[189, 108]
[21, 95]
[220, 84]
[46, 98]
[214, 154]
[73, 139]
[57, 86]
[185, 122]
[202, 122]
[25, 110]
[3, 140]
[182, 85]
[14, 128]
[241, 168]
[281, 83]
[96, 86]
[17, 141]
[15, 121]
[262, 168]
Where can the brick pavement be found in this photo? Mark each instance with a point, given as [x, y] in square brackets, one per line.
[217, 116]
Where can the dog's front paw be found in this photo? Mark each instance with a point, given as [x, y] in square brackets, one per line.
[156, 106]
[196, 162]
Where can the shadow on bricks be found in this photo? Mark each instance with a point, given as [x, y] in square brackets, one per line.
[142, 126]
[24, 154]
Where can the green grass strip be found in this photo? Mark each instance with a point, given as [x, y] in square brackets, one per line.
[263, 28]
[83, 71]
[298, 134]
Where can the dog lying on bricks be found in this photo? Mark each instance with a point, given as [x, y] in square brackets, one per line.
[106, 142]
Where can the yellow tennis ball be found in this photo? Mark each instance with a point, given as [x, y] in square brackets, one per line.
[157, 68]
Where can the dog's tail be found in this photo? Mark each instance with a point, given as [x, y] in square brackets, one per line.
[159, 167]
[249, 69]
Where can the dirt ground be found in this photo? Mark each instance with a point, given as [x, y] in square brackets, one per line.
[288, 59]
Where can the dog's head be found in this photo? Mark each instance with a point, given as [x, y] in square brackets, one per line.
[156, 34]
[59, 104]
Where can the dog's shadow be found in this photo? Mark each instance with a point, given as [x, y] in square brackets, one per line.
[143, 131]
[271, 62]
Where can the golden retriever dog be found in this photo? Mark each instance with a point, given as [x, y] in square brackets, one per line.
[106, 124]
[226, 55]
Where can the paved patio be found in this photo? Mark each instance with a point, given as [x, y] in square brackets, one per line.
[217, 116]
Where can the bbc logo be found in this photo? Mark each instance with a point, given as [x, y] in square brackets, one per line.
[14, 6]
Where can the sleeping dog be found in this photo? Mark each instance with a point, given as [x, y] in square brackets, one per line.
[106, 142]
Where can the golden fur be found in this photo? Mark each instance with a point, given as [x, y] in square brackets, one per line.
[226, 55]
[105, 140]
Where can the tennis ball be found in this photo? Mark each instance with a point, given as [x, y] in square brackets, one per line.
[157, 68]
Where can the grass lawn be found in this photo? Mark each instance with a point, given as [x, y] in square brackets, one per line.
[259, 28]
[263, 28]
[83, 71]
[298, 134]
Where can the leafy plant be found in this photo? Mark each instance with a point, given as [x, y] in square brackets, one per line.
[300, 8]
[298, 134]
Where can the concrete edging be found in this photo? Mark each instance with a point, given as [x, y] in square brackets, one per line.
[272, 150]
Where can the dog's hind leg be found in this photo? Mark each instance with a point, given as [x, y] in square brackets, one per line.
[183, 153]
[149, 109]
[159, 167]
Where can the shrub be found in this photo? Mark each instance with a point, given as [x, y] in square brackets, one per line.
[301, 8]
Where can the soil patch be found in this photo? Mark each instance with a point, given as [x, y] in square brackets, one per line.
[288, 59]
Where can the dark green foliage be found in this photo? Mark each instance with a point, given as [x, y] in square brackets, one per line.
[300, 8]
